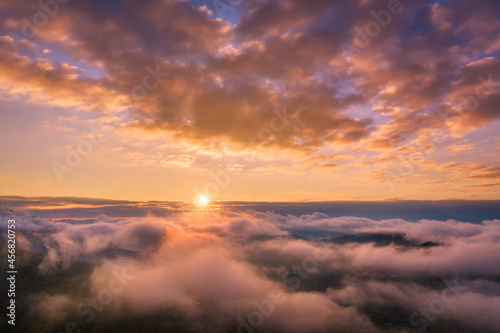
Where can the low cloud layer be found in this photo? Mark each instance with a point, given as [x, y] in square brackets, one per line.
[243, 272]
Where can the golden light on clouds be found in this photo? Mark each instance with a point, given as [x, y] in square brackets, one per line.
[251, 105]
[216, 148]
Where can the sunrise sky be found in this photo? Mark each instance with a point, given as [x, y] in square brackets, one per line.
[250, 100]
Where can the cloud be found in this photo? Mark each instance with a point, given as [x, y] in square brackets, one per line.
[224, 80]
[274, 80]
[230, 264]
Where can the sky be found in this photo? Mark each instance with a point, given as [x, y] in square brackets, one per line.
[85, 210]
[265, 100]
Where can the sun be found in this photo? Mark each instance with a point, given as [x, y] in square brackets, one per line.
[203, 200]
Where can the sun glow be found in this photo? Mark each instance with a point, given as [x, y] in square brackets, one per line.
[203, 200]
